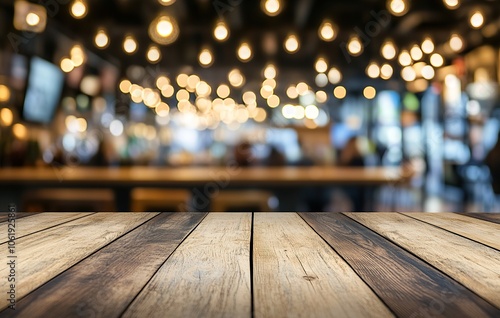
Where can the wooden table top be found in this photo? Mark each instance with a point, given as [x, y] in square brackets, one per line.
[202, 175]
[253, 265]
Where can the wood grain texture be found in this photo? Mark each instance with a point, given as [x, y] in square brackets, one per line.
[4, 216]
[39, 222]
[105, 283]
[296, 274]
[472, 264]
[491, 217]
[207, 276]
[42, 256]
[478, 230]
[406, 284]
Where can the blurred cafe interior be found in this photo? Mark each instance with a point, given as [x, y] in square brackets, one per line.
[264, 105]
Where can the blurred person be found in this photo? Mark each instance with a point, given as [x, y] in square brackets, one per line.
[275, 158]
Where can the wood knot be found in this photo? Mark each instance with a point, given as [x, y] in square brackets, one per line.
[309, 278]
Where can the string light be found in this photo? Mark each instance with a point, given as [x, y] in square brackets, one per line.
[404, 58]
[373, 70]
[340, 92]
[321, 65]
[129, 44]
[416, 53]
[452, 4]
[245, 52]
[270, 71]
[271, 7]
[408, 74]
[476, 20]
[6, 117]
[386, 71]
[67, 65]
[456, 42]
[78, 9]
[221, 31]
[334, 76]
[389, 50]
[292, 44]
[355, 47]
[101, 39]
[398, 7]
[369, 92]
[205, 58]
[32, 19]
[436, 60]
[166, 2]
[164, 30]
[427, 46]
[428, 72]
[154, 54]
[327, 31]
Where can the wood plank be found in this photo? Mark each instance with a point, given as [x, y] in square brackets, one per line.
[42, 256]
[472, 264]
[478, 230]
[4, 216]
[207, 276]
[39, 222]
[297, 274]
[491, 217]
[105, 283]
[403, 281]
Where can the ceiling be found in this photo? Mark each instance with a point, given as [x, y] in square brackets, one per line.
[247, 21]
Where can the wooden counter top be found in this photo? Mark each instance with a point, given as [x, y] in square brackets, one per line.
[253, 265]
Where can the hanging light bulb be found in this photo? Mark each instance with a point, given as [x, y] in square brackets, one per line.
[130, 44]
[476, 20]
[78, 9]
[452, 4]
[388, 50]
[205, 58]
[437, 60]
[456, 42]
[355, 47]
[386, 71]
[292, 44]
[416, 53]
[270, 71]
[244, 52]
[373, 70]
[101, 39]
[427, 46]
[327, 31]
[221, 31]
[154, 54]
[164, 30]
[321, 66]
[398, 7]
[166, 2]
[32, 19]
[271, 7]
[404, 58]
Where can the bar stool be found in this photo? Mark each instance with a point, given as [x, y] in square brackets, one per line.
[158, 199]
[69, 200]
[242, 201]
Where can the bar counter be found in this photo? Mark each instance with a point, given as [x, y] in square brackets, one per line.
[252, 265]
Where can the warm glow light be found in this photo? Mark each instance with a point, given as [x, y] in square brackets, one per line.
[182, 80]
[340, 92]
[223, 91]
[292, 43]
[321, 80]
[321, 65]
[355, 47]
[456, 42]
[291, 92]
[451, 4]
[129, 44]
[437, 60]
[4, 93]
[408, 74]
[405, 58]
[321, 97]
[162, 82]
[416, 53]
[235, 78]
[32, 19]
[311, 112]
[125, 86]
[164, 27]
[249, 98]
[327, 31]
[205, 58]
[386, 71]
[154, 54]
[77, 55]
[6, 117]
[398, 7]
[428, 72]
[388, 50]
[164, 30]
[273, 101]
[373, 70]
[101, 39]
[271, 7]
[166, 2]
[78, 9]
[334, 76]
[270, 71]
[476, 20]
[20, 131]
[244, 52]
[428, 46]
[221, 31]
[302, 88]
[67, 65]
[369, 92]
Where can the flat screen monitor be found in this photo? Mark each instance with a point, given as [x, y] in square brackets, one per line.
[43, 92]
